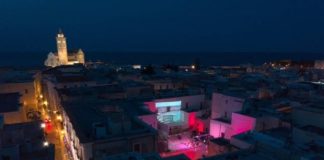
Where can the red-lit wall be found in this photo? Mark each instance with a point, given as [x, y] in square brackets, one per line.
[195, 123]
[200, 125]
[151, 106]
[192, 119]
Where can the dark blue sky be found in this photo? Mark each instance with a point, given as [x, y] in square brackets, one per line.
[164, 25]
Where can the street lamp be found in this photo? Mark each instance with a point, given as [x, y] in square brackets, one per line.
[45, 144]
[45, 103]
[59, 117]
[43, 125]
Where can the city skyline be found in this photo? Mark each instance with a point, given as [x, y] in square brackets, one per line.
[162, 80]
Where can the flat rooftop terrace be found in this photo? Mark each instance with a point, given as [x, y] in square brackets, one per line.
[9, 102]
[84, 114]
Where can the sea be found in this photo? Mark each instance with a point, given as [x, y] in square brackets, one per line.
[36, 59]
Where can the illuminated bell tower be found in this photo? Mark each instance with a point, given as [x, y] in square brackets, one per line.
[62, 48]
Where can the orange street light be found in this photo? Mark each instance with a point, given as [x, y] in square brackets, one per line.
[45, 103]
[59, 117]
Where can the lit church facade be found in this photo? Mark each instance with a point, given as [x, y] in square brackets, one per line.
[62, 57]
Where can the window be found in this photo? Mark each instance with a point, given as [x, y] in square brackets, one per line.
[137, 147]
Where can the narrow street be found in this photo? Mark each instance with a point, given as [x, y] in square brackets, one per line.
[52, 130]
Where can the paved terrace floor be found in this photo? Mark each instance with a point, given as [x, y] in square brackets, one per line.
[184, 144]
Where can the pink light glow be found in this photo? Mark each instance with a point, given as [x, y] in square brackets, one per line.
[242, 123]
[150, 120]
[177, 144]
[200, 126]
[195, 123]
[190, 154]
[192, 119]
[151, 106]
[220, 129]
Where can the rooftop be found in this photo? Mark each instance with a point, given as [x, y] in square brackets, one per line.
[136, 108]
[220, 141]
[130, 84]
[275, 137]
[71, 78]
[273, 107]
[102, 89]
[16, 76]
[134, 156]
[311, 107]
[26, 135]
[237, 92]
[107, 115]
[241, 155]
[177, 93]
[20, 133]
[314, 129]
[9, 102]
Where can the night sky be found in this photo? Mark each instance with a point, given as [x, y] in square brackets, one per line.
[164, 25]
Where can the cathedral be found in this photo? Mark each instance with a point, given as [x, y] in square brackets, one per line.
[62, 57]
